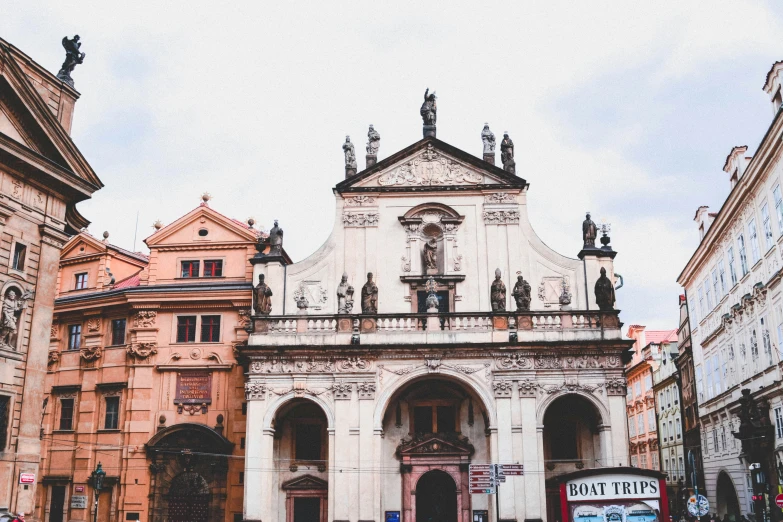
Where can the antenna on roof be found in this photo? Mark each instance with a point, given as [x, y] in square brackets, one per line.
[136, 231]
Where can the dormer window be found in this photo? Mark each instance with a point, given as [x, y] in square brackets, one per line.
[80, 281]
[213, 268]
[190, 268]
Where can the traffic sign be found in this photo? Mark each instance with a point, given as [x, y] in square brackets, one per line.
[779, 500]
[512, 469]
[27, 478]
[482, 491]
[481, 466]
[480, 473]
[698, 507]
[501, 478]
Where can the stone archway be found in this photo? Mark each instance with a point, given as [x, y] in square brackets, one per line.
[728, 503]
[436, 497]
[188, 498]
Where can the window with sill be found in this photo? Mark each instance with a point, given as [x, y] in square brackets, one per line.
[118, 332]
[74, 337]
[20, 253]
[112, 417]
[303, 425]
[434, 418]
[210, 328]
[186, 329]
[190, 269]
[66, 414]
[213, 268]
[742, 254]
[80, 281]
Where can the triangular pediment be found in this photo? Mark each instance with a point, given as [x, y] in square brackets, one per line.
[430, 164]
[81, 245]
[188, 229]
[436, 444]
[305, 482]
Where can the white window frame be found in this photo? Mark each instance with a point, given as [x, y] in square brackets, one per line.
[766, 227]
[778, 207]
[732, 268]
[722, 276]
[742, 254]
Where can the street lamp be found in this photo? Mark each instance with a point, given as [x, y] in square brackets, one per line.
[97, 477]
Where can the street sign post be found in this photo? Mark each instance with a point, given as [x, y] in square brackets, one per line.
[779, 501]
[698, 506]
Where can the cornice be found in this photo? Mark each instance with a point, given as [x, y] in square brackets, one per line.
[186, 247]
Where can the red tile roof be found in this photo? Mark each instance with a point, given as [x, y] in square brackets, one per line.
[660, 336]
[128, 282]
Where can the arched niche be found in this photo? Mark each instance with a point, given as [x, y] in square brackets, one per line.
[14, 303]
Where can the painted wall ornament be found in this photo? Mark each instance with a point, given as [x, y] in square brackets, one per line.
[370, 296]
[522, 294]
[604, 292]
[589, 232]
[262, 297]
[498, 293]
[344, 296]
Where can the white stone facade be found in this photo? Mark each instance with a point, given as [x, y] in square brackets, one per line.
[403, 395]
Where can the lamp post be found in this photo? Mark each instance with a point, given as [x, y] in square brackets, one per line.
[97, 477]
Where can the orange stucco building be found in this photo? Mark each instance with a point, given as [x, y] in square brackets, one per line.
[143, 376]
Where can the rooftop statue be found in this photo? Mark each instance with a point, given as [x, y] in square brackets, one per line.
[488, 138]
[507, 154]
[521, 294]
[276, 241]
[429, 109]
[344, 296]
[604, 292]
[350, 154]
[73, 57]
[497, 295]
[589, 232]
[370, 296]
[373, 141]
[262, 297]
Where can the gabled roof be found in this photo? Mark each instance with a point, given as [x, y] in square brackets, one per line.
[660, 336]
[100, 247]
[242, 230]
[501, 178]
[59, 160]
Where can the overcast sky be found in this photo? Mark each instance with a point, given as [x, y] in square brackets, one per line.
[627, 109]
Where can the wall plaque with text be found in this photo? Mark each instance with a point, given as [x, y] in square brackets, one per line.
[194, 387]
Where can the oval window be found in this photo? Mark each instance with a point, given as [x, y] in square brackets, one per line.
[203, 232]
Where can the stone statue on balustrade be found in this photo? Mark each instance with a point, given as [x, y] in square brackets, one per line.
[344, 296]
[589, 232]
[522, 294]
[497, 294]
[604, 292]
[370, 296]
[350, 156]
[262, 297]
[276, 241]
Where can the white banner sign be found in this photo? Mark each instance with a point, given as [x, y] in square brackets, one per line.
[612, 487]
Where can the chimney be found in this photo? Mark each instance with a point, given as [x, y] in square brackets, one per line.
[772, 86]
[736, 163]
[704, 219]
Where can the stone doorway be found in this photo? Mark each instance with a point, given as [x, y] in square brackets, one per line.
[188, 498]
[57, 504]
[306, 499]
[436, 497]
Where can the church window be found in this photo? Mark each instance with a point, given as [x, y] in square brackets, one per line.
[186, 329]
[210, 328]
[190, 269]
[5, 419]
[118, 332]
[112, 417]
[307, 441]
[20, 252]
[74, 336]
[213, 268]
[80, 281]
[66, 414]
[767, 225]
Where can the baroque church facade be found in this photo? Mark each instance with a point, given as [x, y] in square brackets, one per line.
[432, 331]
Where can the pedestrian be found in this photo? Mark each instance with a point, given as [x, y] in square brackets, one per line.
[19, 518]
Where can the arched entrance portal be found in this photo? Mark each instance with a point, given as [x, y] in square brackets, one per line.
[188, 498]
[728, 504]
[436, 497]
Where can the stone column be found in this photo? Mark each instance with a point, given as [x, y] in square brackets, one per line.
[532, 459]
[367, 467]
[342, 483]
[260, 499]
[505, 456]
[29, 443]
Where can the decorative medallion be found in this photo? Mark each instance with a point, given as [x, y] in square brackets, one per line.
[93, 324]
[142, 350]
[342, 390]
[90, 353]
[514, 361]
[312, 293]
[502, 388]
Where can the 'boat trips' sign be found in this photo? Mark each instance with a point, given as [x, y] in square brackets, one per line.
[194, 387]
[612, 487]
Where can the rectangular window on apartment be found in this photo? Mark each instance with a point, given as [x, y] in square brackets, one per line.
[708, 372]
[640, 424]
[681, 468]
[715, 440]
[742, 254]
[754, 241]
[186, 329]
[644, 461]
[190, 269]
[732, 270]
[654, 461]
[754, 349]
[678, 428]
[778, 207]
[703, 311]
[213, 268]
[637, 388]
[779, 312]
[661, 401]
[20, 253]
[634, 461]
[118, 332]
[716, 370]
[708, 293]
[723, 437]
[112, 418]
[664, 430]
[779, 422]
[80, 281]
[767, 226]
[671, 430]
[74, 336]
[648, 382]
[66, 414]
[722, 277]
[631, 427]
[651, 420]
[699, 384]
[715, 285]
[766, 342]
[210, 328]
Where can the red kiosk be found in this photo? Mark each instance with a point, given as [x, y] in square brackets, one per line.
[619, 494]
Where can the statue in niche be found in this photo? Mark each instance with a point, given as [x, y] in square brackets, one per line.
[73, 57]
[350, 153]
[488, 138]
[344, 296]
[507, 154]
[604, 292]
[521, 294]
[276, 240]
[373, 141]
[429, 109]
[431, 255]
[262, 297]
[13, 304]
[497, 295]
[589, 232]
[370, 296]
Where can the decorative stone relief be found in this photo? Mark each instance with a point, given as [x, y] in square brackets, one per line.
[55, 331]
[93, 324]
[311, 365]
[514, 361]
[548, 362]
[255, 390]
[342, 390]
[501, 217]
[145, 319]
[366, 390]
[527, 388]
[571, 386]
[360, 201]
[313, 293]
[616, 386]
[360, 219]
[90, 353]
[406, 264]
[244, 318]
[54, 357]
[551, 289]
[430, 168]
[433, 364]
[583, 361]
[142, 350]
[499, 197]
[502, 388]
